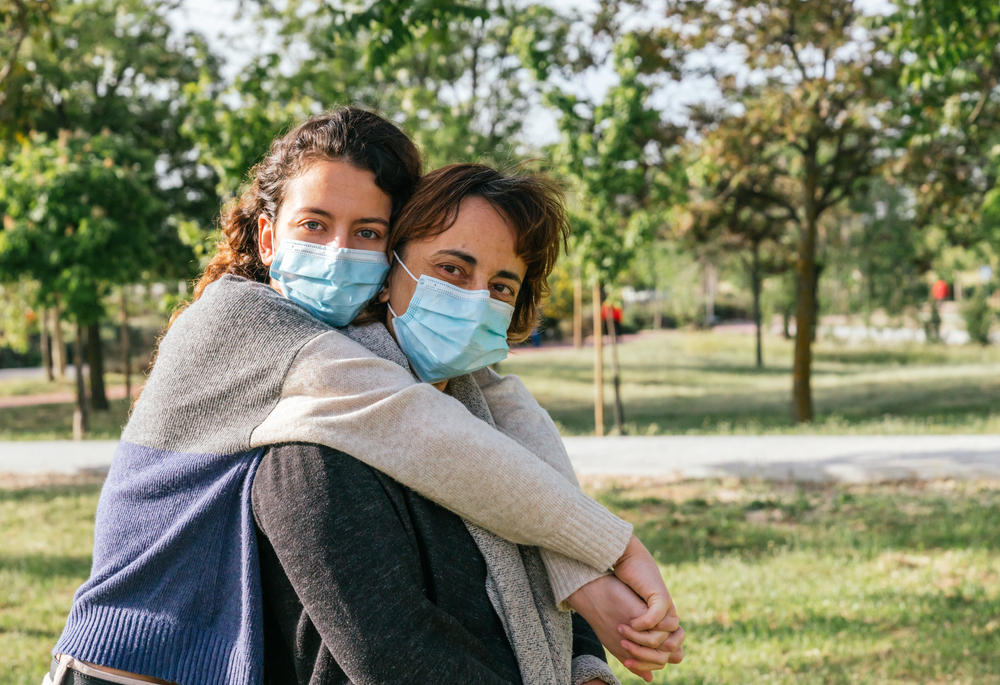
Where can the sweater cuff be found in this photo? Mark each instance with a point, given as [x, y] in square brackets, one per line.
[588, 667]
[566, 575]
[593, 535]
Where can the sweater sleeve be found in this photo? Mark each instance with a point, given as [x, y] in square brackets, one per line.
[339, 394]
[521, 418]
[589, 660]
[353, 566]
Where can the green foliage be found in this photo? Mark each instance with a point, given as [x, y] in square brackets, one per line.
[979, 317]
[618, 155]
[80, 214]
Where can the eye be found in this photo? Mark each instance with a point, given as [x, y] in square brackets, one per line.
[368, 234]
[312, 225]
[452, 269]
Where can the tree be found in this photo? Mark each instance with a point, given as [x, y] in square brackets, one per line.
[727, 212]
[818, 81]
[617, 155]
[82, 213]
[951, 117]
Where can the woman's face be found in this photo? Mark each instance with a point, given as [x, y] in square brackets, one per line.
[476, 253]
[332, 203]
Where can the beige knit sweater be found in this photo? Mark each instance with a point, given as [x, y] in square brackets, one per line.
[338, 393]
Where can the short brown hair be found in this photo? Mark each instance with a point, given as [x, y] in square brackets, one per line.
[531, 203]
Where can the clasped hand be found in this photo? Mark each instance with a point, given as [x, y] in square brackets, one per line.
[633, 614]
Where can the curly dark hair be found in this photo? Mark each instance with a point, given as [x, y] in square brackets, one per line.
[359, 137]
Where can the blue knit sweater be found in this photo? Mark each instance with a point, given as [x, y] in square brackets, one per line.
[174, 590]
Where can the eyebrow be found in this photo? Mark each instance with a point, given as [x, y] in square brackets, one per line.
[362, 220]
[472, 261]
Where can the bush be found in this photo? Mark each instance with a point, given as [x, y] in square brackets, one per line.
[978, 317]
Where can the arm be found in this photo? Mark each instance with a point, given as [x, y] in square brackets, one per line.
[518, 416]
[318, 508]
[603, 600]
[337, 393]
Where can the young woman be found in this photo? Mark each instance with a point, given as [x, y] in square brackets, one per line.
[174, 592]
[355, 565]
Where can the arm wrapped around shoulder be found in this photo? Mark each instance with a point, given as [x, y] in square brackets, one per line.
[339, 394]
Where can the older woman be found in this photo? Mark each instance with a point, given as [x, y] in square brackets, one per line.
[366, 581]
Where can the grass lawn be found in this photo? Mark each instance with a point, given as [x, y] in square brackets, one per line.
[703, 382]
[776, 583]
[677, 382]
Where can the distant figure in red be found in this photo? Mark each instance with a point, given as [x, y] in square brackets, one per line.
[940, 291]
[616, 316]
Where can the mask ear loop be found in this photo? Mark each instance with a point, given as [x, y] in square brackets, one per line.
[408, 273]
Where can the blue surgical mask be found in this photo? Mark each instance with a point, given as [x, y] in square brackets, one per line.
[333, 283]
[447, 331]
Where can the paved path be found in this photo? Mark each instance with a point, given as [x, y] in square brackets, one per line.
[778, 457]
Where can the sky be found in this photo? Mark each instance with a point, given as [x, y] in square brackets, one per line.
[238, 40]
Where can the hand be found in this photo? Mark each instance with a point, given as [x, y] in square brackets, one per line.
[637, 569]
[608, 605]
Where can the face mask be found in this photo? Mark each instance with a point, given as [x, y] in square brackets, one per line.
[447, 331]
[333, 283]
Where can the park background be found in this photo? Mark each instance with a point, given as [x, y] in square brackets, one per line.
[792, 204]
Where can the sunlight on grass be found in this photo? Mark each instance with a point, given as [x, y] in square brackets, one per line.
[705, 383]
[775, 583]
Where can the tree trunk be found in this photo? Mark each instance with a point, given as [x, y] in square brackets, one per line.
[805, 304]
[577, 313]
[58, 345]
[598, 365]
[657, 310]
[81, 415]
[95, 358]
[613, 339]
[755, 283]
[126, 349]
[709, 286]
[46, 345]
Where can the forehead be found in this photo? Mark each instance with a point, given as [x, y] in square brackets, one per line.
[337, 187]
[483, 232]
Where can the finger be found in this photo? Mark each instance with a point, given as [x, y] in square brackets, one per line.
[649, 638]
[645, 675]
[674, 642]
[658, 605]
[653, 657]
[669, 624]
[637, 666]
[677, 656]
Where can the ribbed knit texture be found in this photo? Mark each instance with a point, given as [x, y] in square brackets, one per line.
[173, 591]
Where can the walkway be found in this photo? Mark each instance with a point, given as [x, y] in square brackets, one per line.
[779, 457]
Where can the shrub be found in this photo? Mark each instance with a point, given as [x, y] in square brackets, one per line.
[978, 317]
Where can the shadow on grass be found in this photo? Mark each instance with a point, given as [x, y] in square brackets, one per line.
[46, 566]
[677, 532]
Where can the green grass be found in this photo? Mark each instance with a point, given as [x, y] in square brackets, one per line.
[706, 383]
[775, 583]
[55, 422]
[835, 584]
[47, 536]
[702, 383]
[16, 387]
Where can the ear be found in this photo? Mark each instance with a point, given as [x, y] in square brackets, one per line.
[383, 294]
[266, 243]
